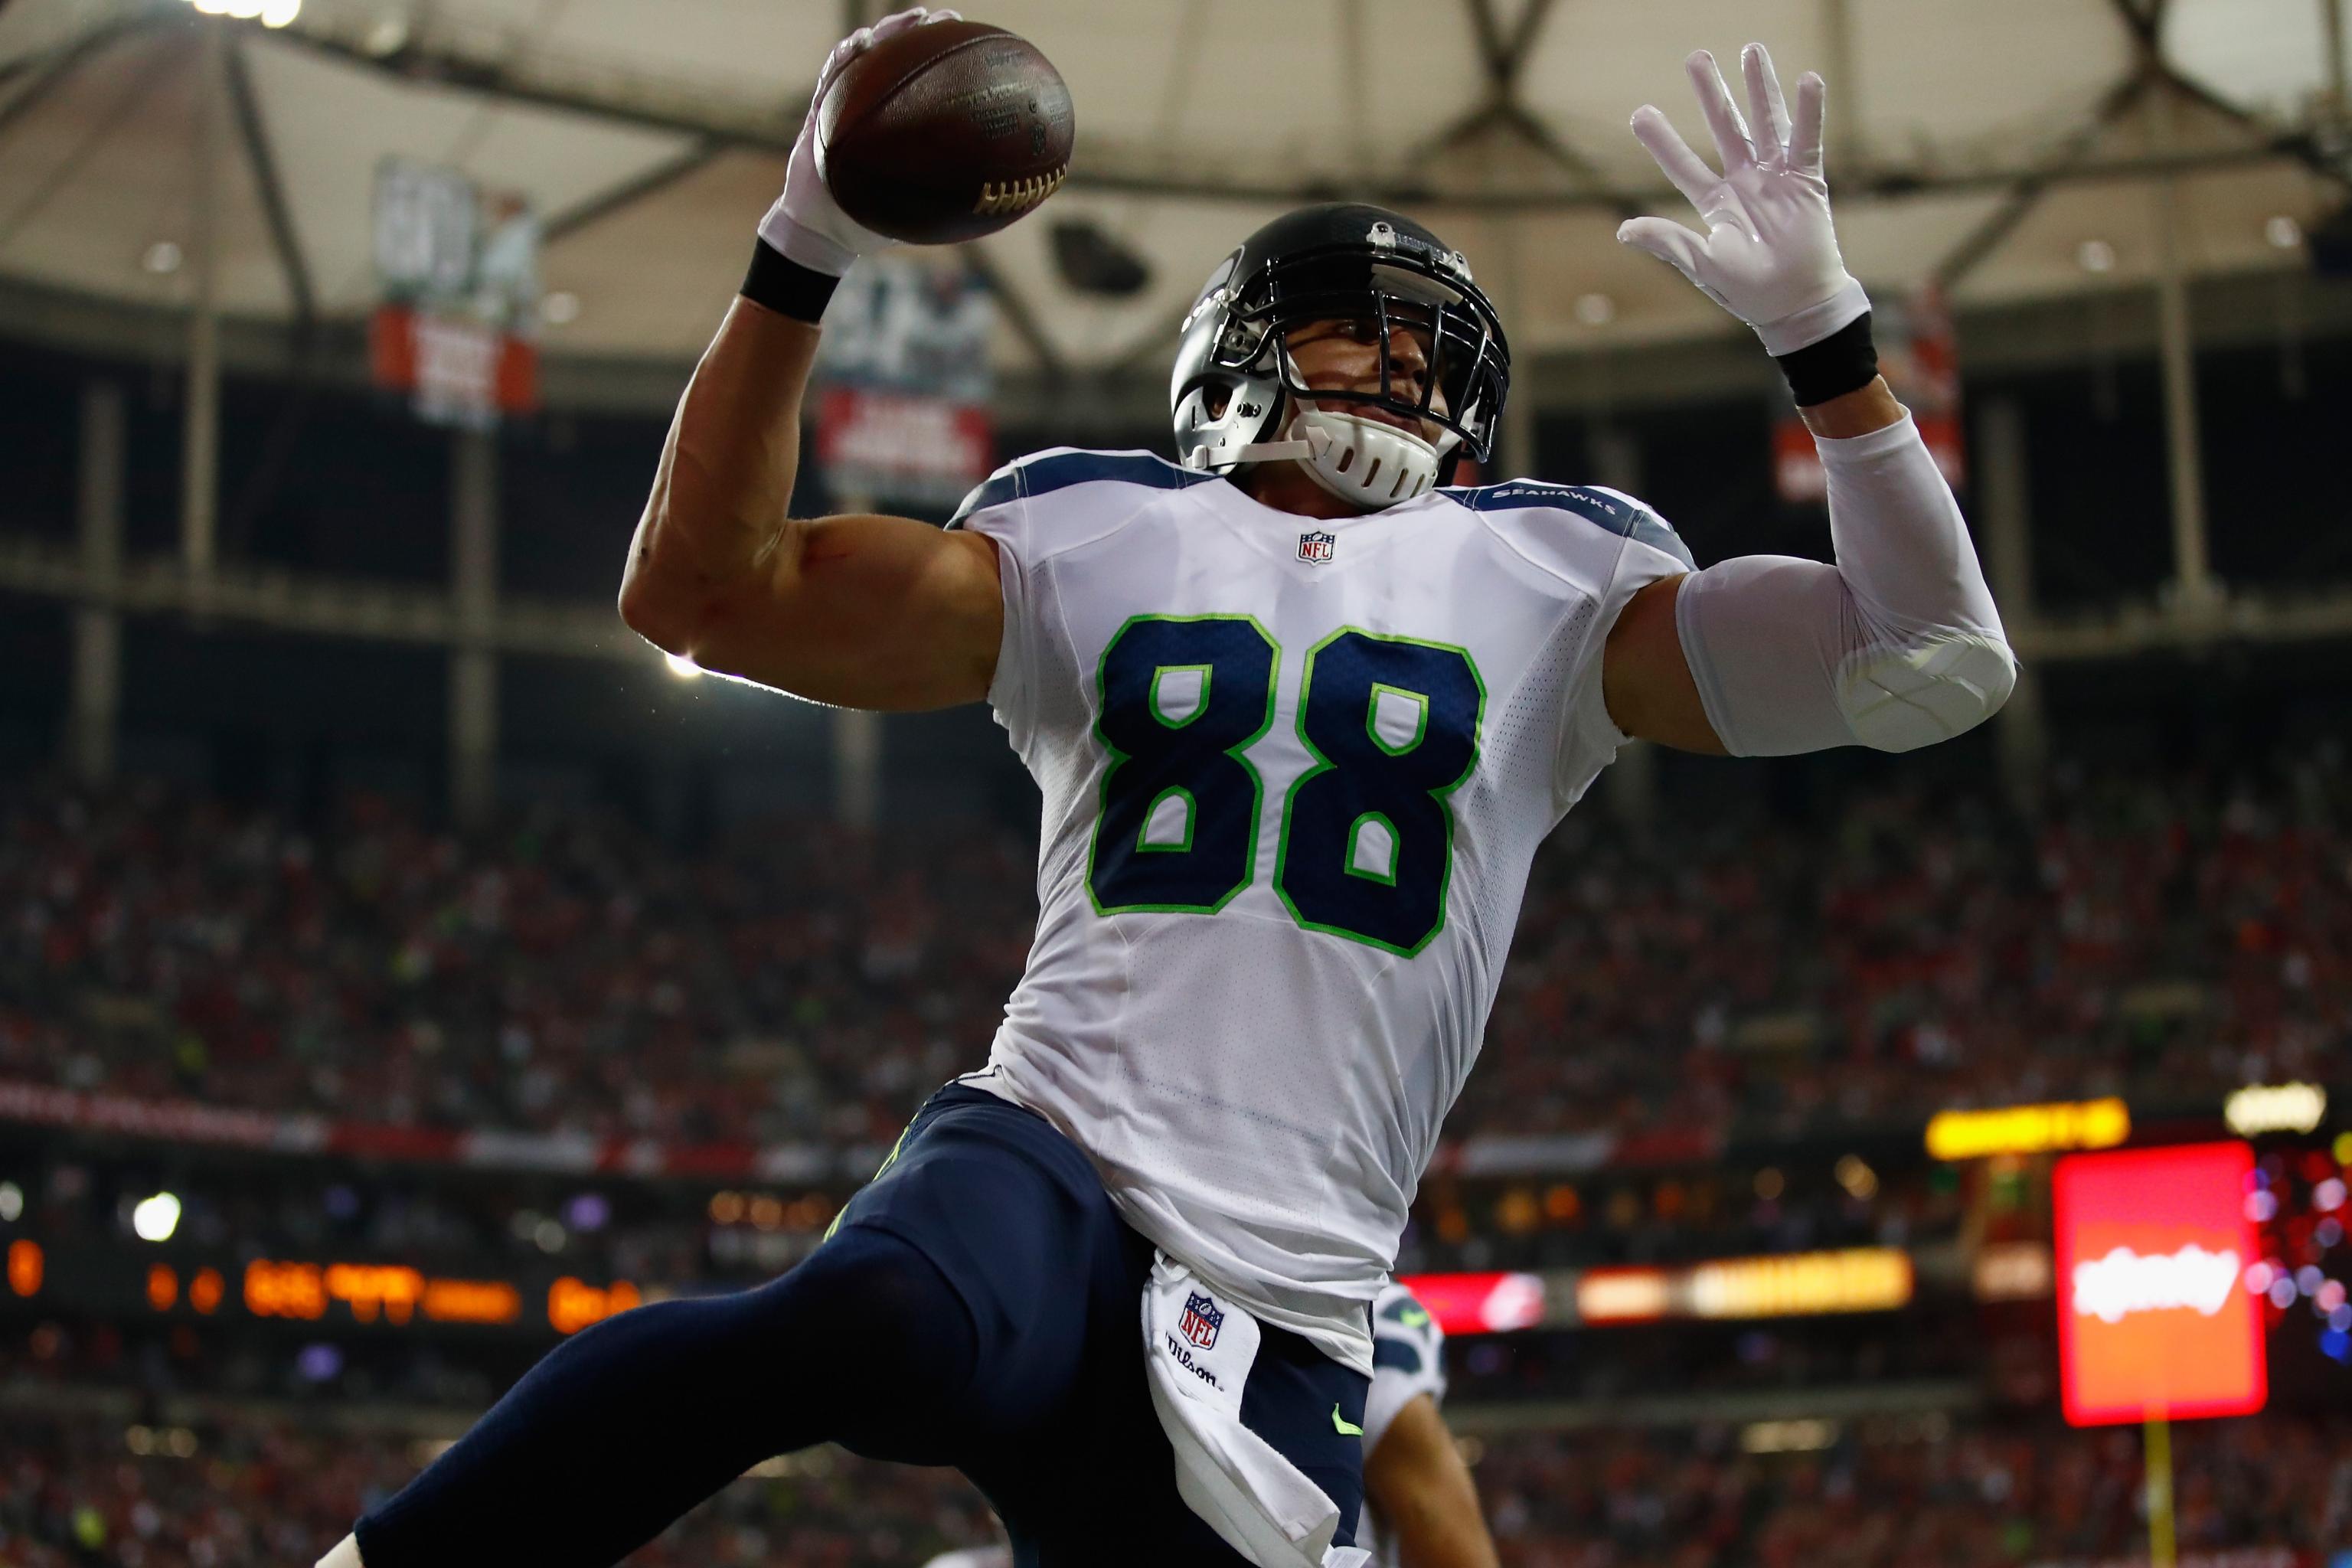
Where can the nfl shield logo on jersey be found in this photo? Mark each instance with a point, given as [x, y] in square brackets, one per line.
[1316, 548]
[1203, 1317]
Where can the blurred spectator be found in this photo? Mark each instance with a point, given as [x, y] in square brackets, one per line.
[2182, 934]
[79, 1493]
[1982, 1497]
[1906, 1490]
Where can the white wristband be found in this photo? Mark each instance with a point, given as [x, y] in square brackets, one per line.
[1802, 329]
[798, 242]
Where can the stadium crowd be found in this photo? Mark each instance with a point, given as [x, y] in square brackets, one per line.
[798, 985]
[76, 1492]
[1975, 1497]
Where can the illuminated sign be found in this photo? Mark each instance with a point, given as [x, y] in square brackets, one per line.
[374, 1292]
[2275, 1107]
[25, 1265]
[1480, 1303]
[473, 1301]
[2028, 1129]
[2153, 1316]
[369, 1288]
[2012, 1271]
[1804, 1284]
[285, 1290]
[1795, 1285]
[1623, 1295]
[1800, 1284]
[572, 1305]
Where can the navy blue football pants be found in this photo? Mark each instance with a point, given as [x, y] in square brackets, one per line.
[979, 1306]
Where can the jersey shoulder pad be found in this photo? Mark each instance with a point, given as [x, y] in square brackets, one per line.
[1613, 509]
[1059, 467]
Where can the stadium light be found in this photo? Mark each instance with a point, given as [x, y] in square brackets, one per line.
[682, 667]
[2262, 1108]
[155, 1218]
[12, 1201]
[269, 13]
[1954, 1135]
[1854, 1174]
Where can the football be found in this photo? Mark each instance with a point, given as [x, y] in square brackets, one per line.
[945, 133]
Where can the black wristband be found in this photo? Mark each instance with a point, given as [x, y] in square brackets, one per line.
[784, 285]
[1838, 364]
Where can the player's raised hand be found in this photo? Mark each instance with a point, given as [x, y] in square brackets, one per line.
[807, 224]
[1770, 255]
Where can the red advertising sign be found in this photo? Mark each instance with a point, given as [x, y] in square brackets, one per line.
[458, 371]
[893, 446]
[902, 418]
[1479, 1303]
[459, 268]
[2153, 1316]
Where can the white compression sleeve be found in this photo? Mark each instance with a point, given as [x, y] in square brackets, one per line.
[1896, 645]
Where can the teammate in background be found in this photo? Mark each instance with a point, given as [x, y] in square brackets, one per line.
[1421, 1507]
[1300, 717]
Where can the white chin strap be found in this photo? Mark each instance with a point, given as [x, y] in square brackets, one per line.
[1364, 462]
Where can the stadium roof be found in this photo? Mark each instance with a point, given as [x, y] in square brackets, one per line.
[1983, 142]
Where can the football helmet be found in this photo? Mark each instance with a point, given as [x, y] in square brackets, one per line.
[1237, 397]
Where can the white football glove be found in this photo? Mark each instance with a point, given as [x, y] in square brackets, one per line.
[807, 224]
[1770, 256]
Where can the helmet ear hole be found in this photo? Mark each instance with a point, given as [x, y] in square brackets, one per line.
[1214, 400]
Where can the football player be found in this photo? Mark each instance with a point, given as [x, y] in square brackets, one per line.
[1300, 716]
[1421, 1507]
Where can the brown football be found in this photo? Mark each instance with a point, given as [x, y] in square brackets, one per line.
[944, 133]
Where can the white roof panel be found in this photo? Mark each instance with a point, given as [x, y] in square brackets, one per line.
[1205, 116]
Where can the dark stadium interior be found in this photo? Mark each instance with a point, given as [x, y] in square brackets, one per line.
[330, 1102]
[1786, 965]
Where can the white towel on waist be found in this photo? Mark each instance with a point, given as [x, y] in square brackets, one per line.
[1198, 1347]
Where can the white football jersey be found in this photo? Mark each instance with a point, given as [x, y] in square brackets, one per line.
[1408, 1361]
[1294, 773]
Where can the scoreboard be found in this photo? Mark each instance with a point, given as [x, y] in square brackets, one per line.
[113, 1281]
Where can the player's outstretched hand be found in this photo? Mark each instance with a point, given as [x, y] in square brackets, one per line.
[1770, 255]
[807, 224]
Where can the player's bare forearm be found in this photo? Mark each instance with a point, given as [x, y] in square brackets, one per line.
[858, 611]
[1856, 413]
[1423, 1494]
